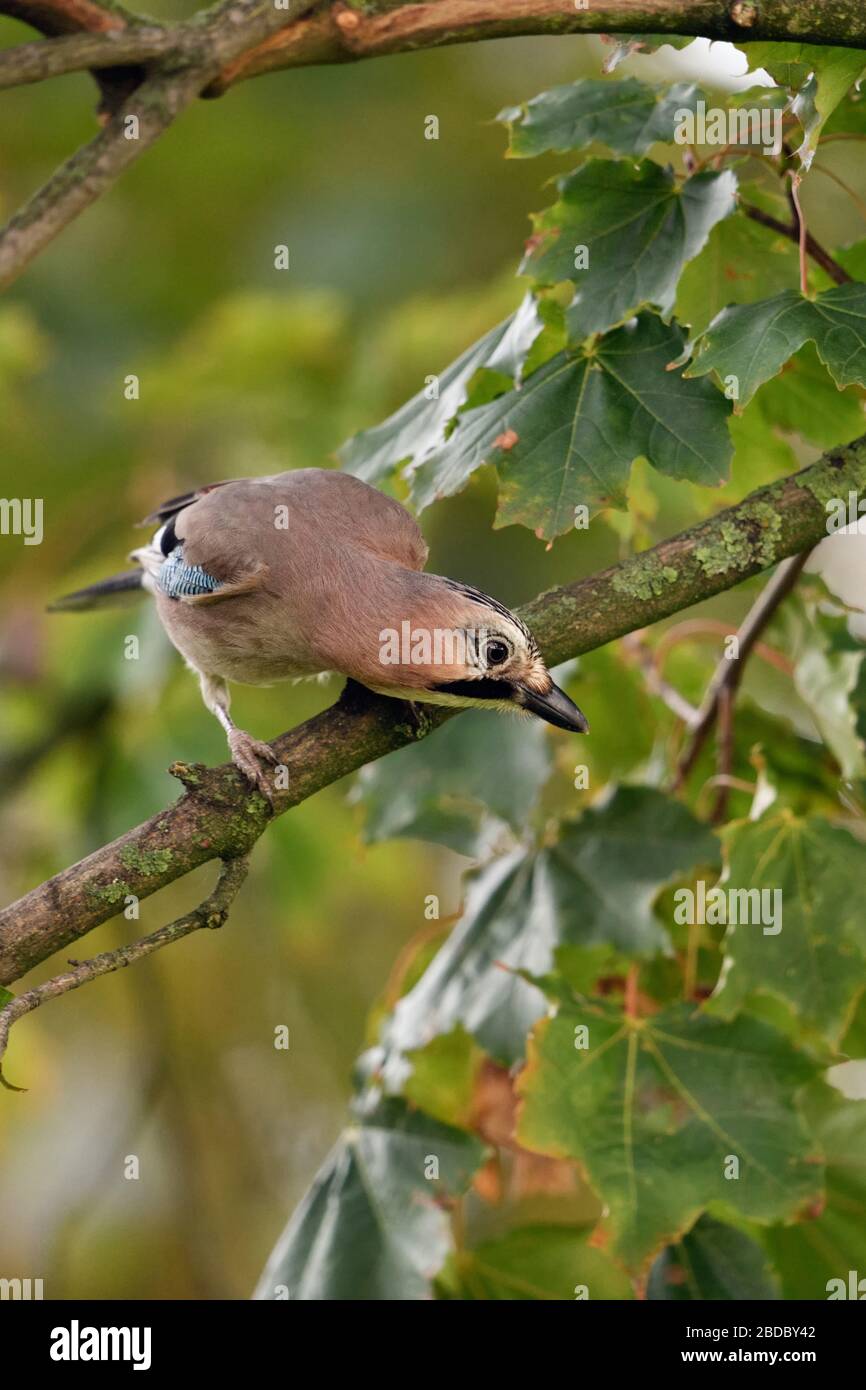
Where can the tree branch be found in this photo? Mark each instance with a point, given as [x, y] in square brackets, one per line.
[201, 48]
[153, 73]
[73, 17]
[32, 62]
[219, 817]
[342, 34]
[212, 913]
[334, 33]
[69, 16]
[87, 175]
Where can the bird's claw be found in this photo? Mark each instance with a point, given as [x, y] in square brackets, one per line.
[254, 759]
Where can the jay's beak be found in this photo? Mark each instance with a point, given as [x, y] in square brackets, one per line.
[554, 707]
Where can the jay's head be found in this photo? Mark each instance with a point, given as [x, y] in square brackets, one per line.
[482, 657]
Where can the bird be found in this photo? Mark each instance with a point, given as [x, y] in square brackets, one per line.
[259, 580]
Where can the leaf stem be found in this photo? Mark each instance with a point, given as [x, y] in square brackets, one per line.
[794, 187]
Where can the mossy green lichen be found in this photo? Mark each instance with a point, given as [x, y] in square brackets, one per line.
[644, 577]
[843, 471]
[147, 861]
[109, 894]
[748, 540]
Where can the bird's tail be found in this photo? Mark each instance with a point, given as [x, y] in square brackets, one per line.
[117, 590]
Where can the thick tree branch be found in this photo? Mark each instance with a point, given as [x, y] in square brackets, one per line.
[153, 73]
[334, 33]
[219, 818]
[211, 913]
[340, 33]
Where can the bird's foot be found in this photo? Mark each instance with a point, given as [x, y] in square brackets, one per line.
[254, 759]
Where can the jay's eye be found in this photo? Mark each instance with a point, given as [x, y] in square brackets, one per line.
[495, 653]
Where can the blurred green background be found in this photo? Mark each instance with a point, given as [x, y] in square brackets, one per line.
[403, 251]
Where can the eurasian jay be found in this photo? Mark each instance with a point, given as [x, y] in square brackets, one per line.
[259, 580]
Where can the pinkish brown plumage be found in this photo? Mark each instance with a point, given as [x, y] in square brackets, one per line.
[266, 579]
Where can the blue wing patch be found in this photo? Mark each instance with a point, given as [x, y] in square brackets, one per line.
[178, 580]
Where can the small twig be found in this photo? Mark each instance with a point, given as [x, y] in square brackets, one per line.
[792, 232]
[737, 784]
[690, 966]
[690, 628]
[793, 190]
[725, 753]
[211, 913]
[841, 135]
[644, 656]
[729, 672]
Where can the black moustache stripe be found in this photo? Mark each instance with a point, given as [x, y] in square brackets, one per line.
[485, 688]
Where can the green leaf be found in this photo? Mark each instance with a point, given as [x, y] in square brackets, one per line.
[803, 399]
[752, 342]
[607, 869]
[849, 116]
[853, 258]
[627, 116]
[636, 226]
[534, 1263]
[595, 887]
[812, 1254]
[625, 45]
[819, 97]
[655, 1109]
[742, 261]
[506, 926]
[6, 996]
[826, 679]
[713, 1261]
[821, 77]
[571, 433]
[443, 1078]
[815, 964]
[421, 424]
[438, 789]
[371, 1226]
